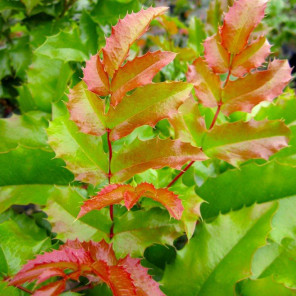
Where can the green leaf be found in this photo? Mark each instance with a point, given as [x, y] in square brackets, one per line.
[197, 35]
[5, 69]
[136, 230]
[65, 46]
[219, 254]
[62, 209]
[45, 84]
[240, 141]
[8, 290]
[250, 184]
[18, 245]
[30, 4]
[30, 131]
[264, 286]
[83, 154]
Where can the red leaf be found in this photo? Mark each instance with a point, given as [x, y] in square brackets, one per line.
[116, 193]
[216, 55]
[95, 76]
[239, 23]
[124, 33]
[138, 72]
[94, 260]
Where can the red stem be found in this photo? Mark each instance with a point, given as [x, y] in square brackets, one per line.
[109, 181]
[180, 174]
[24, 289]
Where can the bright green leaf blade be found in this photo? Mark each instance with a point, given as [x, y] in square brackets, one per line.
[240, 141]
[65, 46]
[83, 154]
[265, 286]
[251, 184]
[219, 254]
[8, 290]
[27, 130]
[136, 230]
[62, 209]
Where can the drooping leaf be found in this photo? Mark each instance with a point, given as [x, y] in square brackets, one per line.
[206, 83]
[136, 230]
[228, 191]
[138, 72]
[239, 22]
[93, 260]
[240, 141]
[245, 93]
[134, 159]
[252, 57]
[95, 77]
[83, 154]
[188, 124]
[220, 253]
[216, 55]
[126, 31]
[116, 193]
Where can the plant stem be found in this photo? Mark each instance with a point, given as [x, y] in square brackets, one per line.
[24, 289]
[109, 181]
[180, 174]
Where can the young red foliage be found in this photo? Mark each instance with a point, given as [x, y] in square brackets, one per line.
[116, 193]
[94, 260]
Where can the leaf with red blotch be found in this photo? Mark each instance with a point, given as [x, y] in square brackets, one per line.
[245, 93]
[86, 110]
[116, 193]
[93, 260]
[95, 76]
[124, 33]
[251, 57]
[239, 22]
[146, 106]
[188, 124]
[216, 55]
[240, 141]
[207, 84]
[134, 159]
[145, 286]
[138, 72]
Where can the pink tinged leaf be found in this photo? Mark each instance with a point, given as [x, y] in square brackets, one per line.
[250, 58]
[48, 273]
[240, 141]
[216, 55]
[239, 22]
[138, 72]
[245, 93]
[95, 76]
[101, 251]
[164, 196]
[53, 289]
[86, 110]
[134, 159]
[124, 33]
[145, 285]
[207, 84]
[109, 195]
[150, 104]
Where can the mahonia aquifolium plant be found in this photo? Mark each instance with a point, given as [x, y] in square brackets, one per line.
[117, 96]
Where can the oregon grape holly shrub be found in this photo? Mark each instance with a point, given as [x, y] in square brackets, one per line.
[239, 224]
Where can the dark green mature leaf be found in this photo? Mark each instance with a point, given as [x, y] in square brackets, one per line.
[83, 154]
[240, 141]
[250, 184]
[219, 254]
[65, 46]
[5, 69]
[136, 230]
[45, 84]
[62, 209]
[29, 131]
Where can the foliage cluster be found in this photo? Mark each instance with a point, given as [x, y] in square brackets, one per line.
[166, 172]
